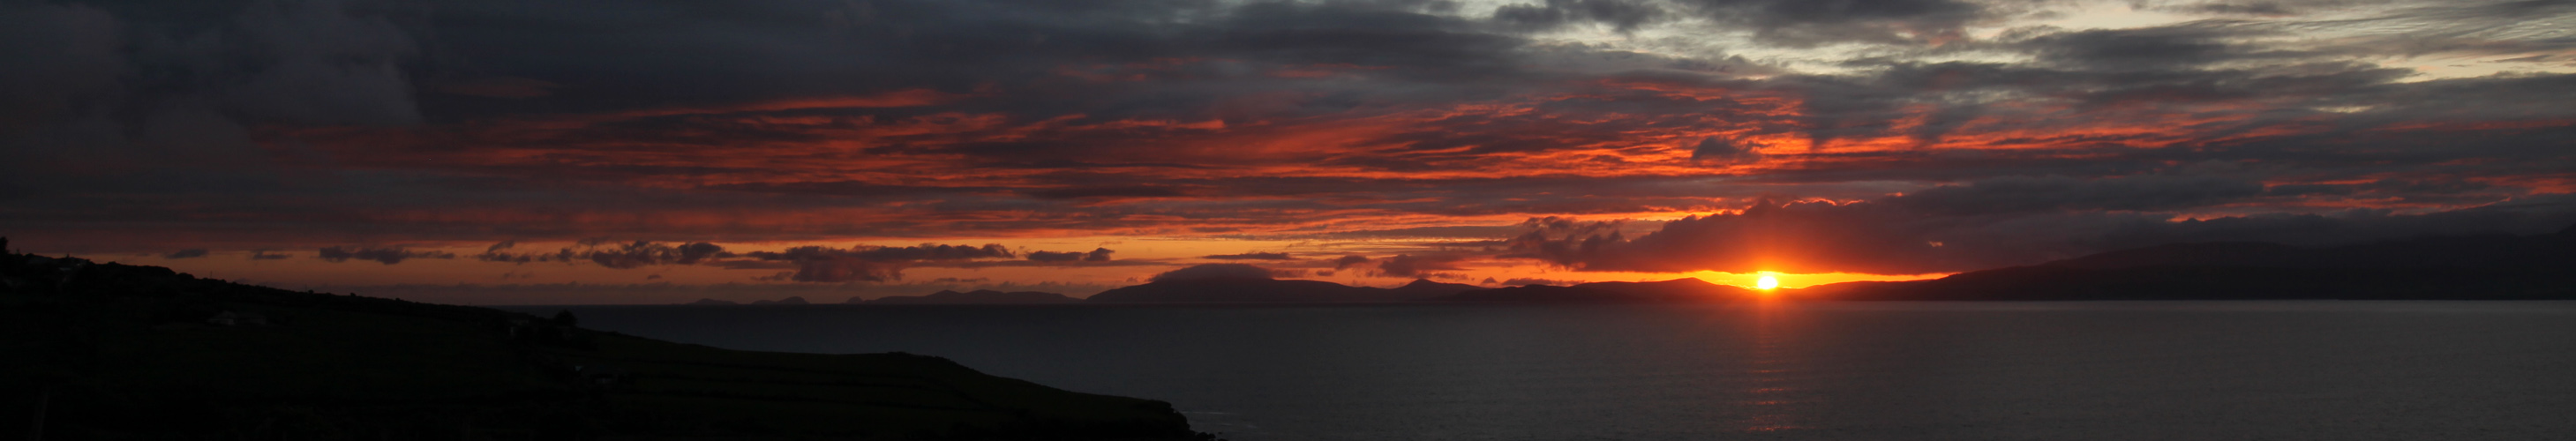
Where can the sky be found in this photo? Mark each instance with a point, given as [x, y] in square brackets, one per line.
[661, 151]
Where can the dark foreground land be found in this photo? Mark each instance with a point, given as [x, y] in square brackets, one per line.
[108, 351]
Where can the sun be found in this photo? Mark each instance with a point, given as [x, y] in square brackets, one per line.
[1767, 282]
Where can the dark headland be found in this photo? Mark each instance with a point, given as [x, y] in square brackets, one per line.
[109, 351]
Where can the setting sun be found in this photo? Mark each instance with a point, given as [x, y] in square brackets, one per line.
[1767, 282]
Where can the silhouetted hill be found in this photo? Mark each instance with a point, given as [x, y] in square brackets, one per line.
[976, 297]
[712, 302]
[1427, 289]
[133, 352]
[785, 301]
[2430, 268]
[1676, 290]
[1241, 289]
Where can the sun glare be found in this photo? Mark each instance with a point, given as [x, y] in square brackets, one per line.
[1767, 282]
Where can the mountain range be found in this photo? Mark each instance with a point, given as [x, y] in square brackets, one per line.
[2473, 267]
[2464, 267]
[2467, 267]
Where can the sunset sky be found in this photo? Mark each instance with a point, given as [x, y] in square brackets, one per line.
[495, 152]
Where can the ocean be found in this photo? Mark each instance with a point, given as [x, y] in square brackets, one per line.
[1780, 370]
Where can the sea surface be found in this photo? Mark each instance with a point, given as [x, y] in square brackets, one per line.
[2318, 370]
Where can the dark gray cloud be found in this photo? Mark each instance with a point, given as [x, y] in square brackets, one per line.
[1251, 256]
[2157, 48]
[1811, 23]
[1347, 261]
[868, 263]
[889, 254]
[1620, 15]
[623, 255]
[2044, 193]
[386, 255]
[185, 254]
[1407, 265]
[1095, 255]
[642, 253]
[1721, 151]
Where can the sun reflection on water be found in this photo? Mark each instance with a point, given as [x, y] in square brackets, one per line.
[1774, 402]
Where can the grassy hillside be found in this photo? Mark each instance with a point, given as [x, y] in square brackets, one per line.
[106, 351]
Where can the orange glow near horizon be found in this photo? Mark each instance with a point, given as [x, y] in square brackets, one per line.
[1798, 280]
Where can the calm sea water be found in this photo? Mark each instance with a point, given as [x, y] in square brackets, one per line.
[1857, 371]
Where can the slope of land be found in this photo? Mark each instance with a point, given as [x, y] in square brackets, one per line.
[2484, 267]
[108, 351]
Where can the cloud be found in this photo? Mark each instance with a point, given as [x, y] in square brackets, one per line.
[1095, 255]
[1104, 192]
[627, 255]
[1720, 151]
[2154, 48]
[388, 256]
[1406, 265]
[1620, 15]
[890, 254]
[269, 124]
[836, 270]
[1215, 271]
[870, 263]
[1905, 235]
[1250, 256]
[1811, 23]
[266, 255]
[2124, 193]
[185, 254]
[641, 253]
